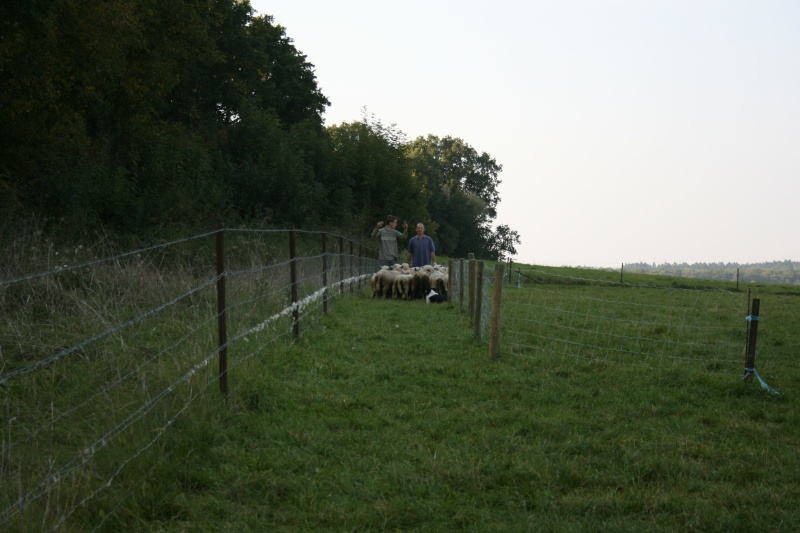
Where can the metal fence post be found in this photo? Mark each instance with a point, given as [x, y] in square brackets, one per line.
[750, 357]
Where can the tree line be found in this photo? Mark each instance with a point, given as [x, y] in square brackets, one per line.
[146, 117]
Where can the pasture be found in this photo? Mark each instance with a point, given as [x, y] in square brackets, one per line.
[389, 415]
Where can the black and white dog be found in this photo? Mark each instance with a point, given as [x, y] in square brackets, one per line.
[433, 297]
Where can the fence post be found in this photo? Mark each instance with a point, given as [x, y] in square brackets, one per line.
[361, 265]
[471, 295]
[497, 298]
[293, 283]
[352, 289]
[476, 320]
[750, 357]
[461, 283]
[341, 265]
[325, 273]
[449, 279]
[222, 313]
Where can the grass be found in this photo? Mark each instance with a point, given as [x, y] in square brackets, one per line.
[392, 418]
[388, 415]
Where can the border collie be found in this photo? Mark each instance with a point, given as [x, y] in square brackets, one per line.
[434, 297]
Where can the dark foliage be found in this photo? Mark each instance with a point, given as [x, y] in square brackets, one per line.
[141, 117]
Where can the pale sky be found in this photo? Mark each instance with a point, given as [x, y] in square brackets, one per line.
[628, 130]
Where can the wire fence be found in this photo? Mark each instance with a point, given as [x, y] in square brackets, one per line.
[101, 357]
[595, 320]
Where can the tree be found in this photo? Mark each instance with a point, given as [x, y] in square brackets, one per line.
[374, 170]
[138, 114]
[460, 187]
[502, 243]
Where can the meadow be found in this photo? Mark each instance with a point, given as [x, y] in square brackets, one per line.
[393, 418]
[390, 415]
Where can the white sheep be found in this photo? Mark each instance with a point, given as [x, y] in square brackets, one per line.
[374, 282]
[401, 287]
[386, 280]
[438, 279]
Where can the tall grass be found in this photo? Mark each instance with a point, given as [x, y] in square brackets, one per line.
[100, 357]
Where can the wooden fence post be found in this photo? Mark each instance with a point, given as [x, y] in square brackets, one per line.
[341, 265]
[461, 283]
[325, 273]
[352, 289]
[449, 279]
[293, 283]
[361, 265]
[222, 313]
[497, 298]
[471, 295]
[478, 300]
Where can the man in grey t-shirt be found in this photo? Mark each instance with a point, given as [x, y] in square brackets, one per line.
[387, 255]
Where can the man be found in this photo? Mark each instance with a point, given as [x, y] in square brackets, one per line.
[388, 254]
[421, 250]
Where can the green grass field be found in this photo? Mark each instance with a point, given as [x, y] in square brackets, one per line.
[389, 415]
[393, 418]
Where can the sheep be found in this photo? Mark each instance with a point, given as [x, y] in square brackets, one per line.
[386, 279]
[375, 282]
[421, 282]
[401, 287]
[438, 279]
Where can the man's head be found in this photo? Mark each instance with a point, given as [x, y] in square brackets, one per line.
[391, 221]
[420, 229]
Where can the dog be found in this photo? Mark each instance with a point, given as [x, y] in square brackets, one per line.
[433, 297]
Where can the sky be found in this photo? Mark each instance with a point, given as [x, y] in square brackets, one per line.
[656, 131]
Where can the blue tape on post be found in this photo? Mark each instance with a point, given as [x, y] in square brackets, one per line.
[752, 318]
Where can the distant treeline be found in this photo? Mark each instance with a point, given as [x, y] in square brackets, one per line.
[782, 272]
[148, 117]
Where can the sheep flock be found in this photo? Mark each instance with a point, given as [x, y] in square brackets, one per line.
[409, 283]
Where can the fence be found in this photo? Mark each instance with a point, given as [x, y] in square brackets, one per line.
[551, 316]
[100, 358]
